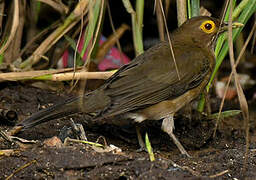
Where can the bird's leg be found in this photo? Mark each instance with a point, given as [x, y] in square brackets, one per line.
[168, 126]
[138, 118]
[140, 140]
[78, 130]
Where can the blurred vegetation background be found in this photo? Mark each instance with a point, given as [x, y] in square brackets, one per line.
[56, 35]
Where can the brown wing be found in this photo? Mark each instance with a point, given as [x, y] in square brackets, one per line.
[152, 78]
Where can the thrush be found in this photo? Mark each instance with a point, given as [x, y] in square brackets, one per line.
[153, 86]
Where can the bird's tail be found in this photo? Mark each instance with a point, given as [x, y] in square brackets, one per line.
[68, 107]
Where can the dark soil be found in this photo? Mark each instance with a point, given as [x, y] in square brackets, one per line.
[221, 157]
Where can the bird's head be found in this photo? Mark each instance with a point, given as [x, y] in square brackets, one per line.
[202, 30]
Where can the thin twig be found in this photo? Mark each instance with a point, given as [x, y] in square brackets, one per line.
[241, 96]
[193, 172]
[114, 31]
[231, 74]
[57, 5]
[42, 33]
[73, 84]
[223, 14]
[185, 168]
[69, 23]
[219, 174]
[88, 58]
[160, 22]
[20, 169]
[169, 39]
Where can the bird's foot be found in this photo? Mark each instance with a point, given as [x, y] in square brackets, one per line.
[168, 126]
[142, 149]
[178, 144]
[78, 129]
[75, 131]
[140, 140]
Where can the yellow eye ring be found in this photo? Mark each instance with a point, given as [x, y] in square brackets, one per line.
[208, 26]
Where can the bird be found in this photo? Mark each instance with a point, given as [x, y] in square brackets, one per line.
[154, 85]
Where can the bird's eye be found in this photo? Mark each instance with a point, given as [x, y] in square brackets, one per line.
[208, 26]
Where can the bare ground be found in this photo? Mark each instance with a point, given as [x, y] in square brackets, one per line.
[221, 157]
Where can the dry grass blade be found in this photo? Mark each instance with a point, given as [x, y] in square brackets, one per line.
[75, 55]
[114, 31]
[254, 36]
[57, 5]
[241, 96]
[160, 22]
[15, 24]
[169, 39]
[82, 141]
[72, 19]
[167, 6]
[181, 11]
[219, 174]
[39, 35]
[107, 45]
[20, 169]
[54, 75]
[185, 168]
[231, 74]
[225, 7]
[88, 58]
[2, 5]
[82, 75]
[14, 76]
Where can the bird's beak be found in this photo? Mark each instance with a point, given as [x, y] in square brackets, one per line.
[224, 26]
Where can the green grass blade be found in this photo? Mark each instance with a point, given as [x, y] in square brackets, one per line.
[137, 24]
[89, 33]
[225, 114]
[243, 18]
[195, 8]
[246, 10]
[149, 148]
[189, 9]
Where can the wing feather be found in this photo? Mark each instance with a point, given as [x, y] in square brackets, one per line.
[152, 78]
